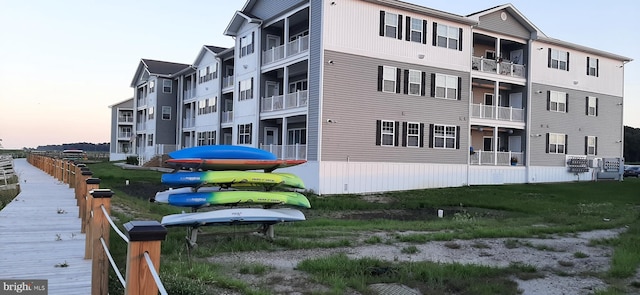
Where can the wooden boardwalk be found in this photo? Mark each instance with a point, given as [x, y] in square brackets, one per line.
[40, 234]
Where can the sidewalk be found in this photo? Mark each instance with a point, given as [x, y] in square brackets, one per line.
[40, 234]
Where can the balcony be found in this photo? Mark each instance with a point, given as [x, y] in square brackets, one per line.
[227, 117]
[188, 122]
[141, 126]
[125, 135]
[125, 119]
[505, 68]
[189, 94]
[141, 102]
[497, 113]
[227, 81]
[281, 52]
[282, 102]
[491, 158]
[288, 152]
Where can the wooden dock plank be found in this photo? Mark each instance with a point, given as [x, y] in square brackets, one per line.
[40, 234]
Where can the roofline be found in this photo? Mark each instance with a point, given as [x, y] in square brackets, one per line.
[570, 45]
[249, 19]
[533, 28]
[117, 103]
[425, 10]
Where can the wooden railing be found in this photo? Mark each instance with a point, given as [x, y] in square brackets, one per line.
[143, 237]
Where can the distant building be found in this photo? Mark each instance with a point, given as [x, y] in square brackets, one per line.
[121, 130]
[384, 95]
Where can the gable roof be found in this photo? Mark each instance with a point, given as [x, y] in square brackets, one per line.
[238, 19]
[208, 49]
[157, 68]
[424, 11]
[514, 12]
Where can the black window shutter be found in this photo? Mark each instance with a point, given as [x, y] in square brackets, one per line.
[586, 106]
[380, 73]
[547, 146]
[567, 61]
[398, 74]
[587, 66]
[408, 29]
[596, 146]
[397, 133]
[430, 135]
[566, 103]
[423, 89]
[596, 106]
[378, 132]
[424, 32]
[460, 40]
[381, 23]
[549, 59]
[597, 67]
[435, 33]
[421, 134]
[251, 87]
[406, 81]
[250, 132]
[566, 144]
[433, 85]
[399, 26]
[457, 137]
[404, 133]
[586, 145]
[548, 100]
[459, 88]
[253, 41]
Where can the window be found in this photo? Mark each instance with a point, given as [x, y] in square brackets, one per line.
[202, 73]
[558, 59]
[592, 106]
[414, 134]
[150, 113]
[388, 133]
[244, 133]
[414, 82]
[445, 136]
[152, 86]
[390, 25]
[166, 86]
[297, 136]
[207, 106]
[557, 101]
[246, 45]
[446, 86]
[389, 79]
[206, 138]
[149, 139]
[592, 67]
[418, 30]
[447, 36]
[246, 89]
[166, 113]
[591, 145]
[556, 143]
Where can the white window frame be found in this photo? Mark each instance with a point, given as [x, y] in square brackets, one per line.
[166, 110]
[446, 87]
[444, 136]
[591, 145]
[244, 134]
[415, 82]
[152, 86]
[246, 45]
[413, 132]
[149, 139]
[150, 113]
[297, 136]
[246, 90]
[391, 26]
[593, 67]
[387, 131]
[416, 31]
[167, 87]
[448, 37]
[559, 59]
[389, 75]
[558, 101]
[557, 144]
[592, 106]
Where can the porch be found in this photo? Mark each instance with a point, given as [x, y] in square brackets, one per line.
[288, 152]
[286, 38]
[497, 146]
[285, 137]
[496, 158]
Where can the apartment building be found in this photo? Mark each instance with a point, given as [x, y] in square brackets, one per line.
[384, 95]
[121, 130]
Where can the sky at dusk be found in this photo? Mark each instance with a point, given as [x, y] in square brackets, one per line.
[63, 63]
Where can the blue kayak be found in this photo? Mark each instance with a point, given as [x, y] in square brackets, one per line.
[222, 152]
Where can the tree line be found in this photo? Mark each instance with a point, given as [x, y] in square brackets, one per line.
[85, 146]
[631, 144]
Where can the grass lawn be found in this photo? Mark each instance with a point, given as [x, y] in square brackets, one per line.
[507, 211]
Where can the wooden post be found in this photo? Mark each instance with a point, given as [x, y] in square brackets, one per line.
[82, 189]
[144, 236]
[100, 228]
[85, 204]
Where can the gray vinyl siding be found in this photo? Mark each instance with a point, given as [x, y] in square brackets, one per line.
[575, 123]
[165, 129]
[511, 26]
[315, 64]
[351, 99]
[267, 9]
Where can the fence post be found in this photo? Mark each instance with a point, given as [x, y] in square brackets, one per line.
[81, 190]
[85, 206]
[100, 228]
[144, 236]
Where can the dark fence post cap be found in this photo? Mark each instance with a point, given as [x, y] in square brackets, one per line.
[85, 168]
[89, 173]
[93, 180]
[145, 230]
[81, 165]
[101, 193]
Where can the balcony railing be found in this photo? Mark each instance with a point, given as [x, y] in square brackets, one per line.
[125, 119]
[288, 101]
[141, 102]
[188, 94]
[227, 117]
[497, 113]
[227, 81]
[141, 126]
[289, 152]
[126, 135]
[292, 48]
[188, 122]
[491, 158]
[498, 67]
